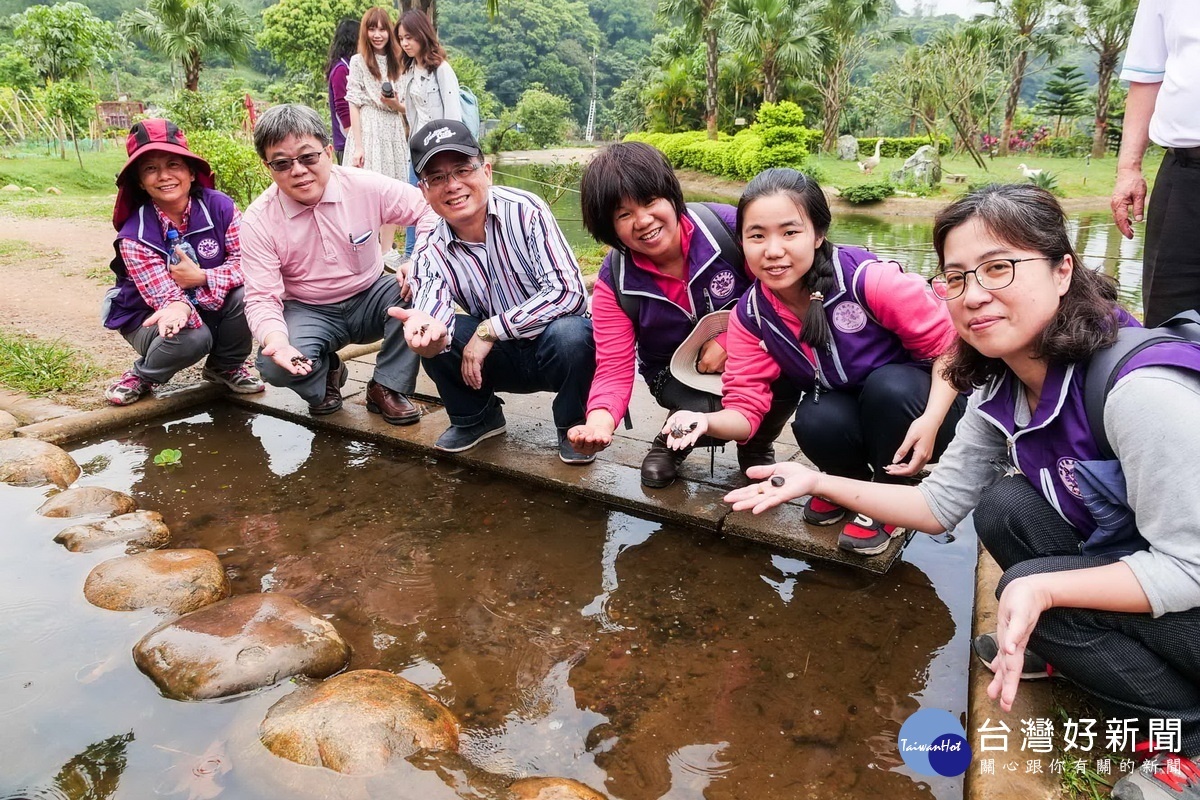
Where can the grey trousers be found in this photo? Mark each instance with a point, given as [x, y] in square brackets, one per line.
[1137, 666]
[224, 338]
[318, 331]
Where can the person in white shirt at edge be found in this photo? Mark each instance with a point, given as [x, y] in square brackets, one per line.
[499, 254]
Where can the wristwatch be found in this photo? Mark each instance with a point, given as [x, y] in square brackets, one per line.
[484, 332]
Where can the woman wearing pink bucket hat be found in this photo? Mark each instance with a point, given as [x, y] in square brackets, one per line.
[175, 304]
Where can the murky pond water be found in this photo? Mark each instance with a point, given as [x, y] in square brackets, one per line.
[572, 640]
[908, 240]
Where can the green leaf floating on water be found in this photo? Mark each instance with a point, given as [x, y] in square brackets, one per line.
[169, 458]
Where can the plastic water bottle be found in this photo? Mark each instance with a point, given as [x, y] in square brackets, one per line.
[175, 240]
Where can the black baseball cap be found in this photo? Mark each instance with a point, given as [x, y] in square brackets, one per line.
[438, 136]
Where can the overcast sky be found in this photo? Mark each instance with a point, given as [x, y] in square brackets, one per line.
[964, 8]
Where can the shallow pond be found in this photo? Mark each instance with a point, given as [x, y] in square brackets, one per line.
[908, 240]
[572, 640]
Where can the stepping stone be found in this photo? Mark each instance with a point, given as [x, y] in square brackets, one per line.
[176, 581]
[81, 501]
[139, 530]
[31, 462]
[8, 424]
[358, 723]
[238, 645]
[552, 789]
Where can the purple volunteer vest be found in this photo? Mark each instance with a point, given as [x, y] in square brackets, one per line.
[714, 283]
[858, 345]
[1057, 450]
[209, 218]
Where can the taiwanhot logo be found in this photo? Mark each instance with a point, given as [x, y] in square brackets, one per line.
[932, 742]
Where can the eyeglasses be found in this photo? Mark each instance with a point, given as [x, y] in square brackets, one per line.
[991, 275]
[460, 173]
[284, 164]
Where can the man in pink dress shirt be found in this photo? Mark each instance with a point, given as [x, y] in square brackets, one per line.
[314, 272]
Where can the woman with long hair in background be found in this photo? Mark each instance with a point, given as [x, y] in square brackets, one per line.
[337, 75]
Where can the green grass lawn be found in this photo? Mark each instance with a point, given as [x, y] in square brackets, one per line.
[1076, 177]
[86, 192]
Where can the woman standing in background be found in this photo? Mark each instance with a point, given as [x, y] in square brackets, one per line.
[429, 88]
[377, 139]
[337, 75]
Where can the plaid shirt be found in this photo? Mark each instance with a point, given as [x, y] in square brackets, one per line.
[149, 272]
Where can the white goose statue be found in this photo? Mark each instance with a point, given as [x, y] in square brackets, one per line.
[1029, 173]
[872, 162]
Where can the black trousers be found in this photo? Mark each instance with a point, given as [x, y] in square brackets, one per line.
[855, 434]
[1136, 666]
[1171, 261]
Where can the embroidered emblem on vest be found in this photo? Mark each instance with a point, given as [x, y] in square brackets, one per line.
[1066, 474]
[208, 248]
[721, 286]
[849, 317]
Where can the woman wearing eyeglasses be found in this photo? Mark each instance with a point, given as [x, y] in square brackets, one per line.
[175, 303]
[1101, 557]
[858, 336]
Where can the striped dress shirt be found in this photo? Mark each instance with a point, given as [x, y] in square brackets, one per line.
[520, 279]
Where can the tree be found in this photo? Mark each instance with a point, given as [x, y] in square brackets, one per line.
[63, 41]
[848, 28]
[1027, 21]
[782, 32]
[74, 104]
[1064, 96]
[187, 30]
[15, 70]
[297, 33]
[543, 115]
[700, 19]
[669, 94]
[1104, 26]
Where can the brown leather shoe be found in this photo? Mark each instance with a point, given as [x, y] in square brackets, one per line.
[661, 464]
[334, 381]
[393, 406]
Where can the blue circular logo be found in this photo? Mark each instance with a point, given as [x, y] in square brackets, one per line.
[932, 742]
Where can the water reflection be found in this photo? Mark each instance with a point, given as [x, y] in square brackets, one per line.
[571, 640]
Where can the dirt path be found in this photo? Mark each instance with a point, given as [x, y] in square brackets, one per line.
[55, 272]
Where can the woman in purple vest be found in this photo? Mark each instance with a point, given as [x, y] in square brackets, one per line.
[1101, 557]
[668, 268]
[855, 334]
[176, 307]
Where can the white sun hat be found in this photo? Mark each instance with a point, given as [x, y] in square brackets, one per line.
[683, 363]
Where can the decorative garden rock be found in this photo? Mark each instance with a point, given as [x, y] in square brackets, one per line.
[139, 530]
[177, 581]
[922, 167]
[32, 462]
[552, 789]
[847, 148]
[236, 645]
[8, 424]
[358, 723]
[83, 500]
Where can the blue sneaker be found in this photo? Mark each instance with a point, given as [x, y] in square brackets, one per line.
[458, 438]
[569, 455]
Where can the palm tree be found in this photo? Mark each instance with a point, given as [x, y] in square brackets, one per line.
[850, 30]
[1026, 20]
[670, 93]
[780, 31]
[184, 30]
[699, 20]
[1104, 27]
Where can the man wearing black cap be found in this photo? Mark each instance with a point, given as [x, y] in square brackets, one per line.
[498, 253]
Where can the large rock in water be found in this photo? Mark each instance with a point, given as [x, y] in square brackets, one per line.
[178, 581]
[847, 148]
[358, 723]
[552, 789]
[141, 529]
[237, 645]
[922, 167]
[31, 462]
[83, 500]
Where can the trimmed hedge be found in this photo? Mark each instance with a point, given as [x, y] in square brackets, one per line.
[777, 139]
[900, 146]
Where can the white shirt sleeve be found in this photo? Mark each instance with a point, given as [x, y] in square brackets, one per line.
[1146, 55]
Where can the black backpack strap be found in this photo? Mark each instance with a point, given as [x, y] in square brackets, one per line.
[630, 304]
[1102, 371]
[726, 241]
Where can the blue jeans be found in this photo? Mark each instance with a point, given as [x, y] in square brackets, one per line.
[561, 360]
[410, 233]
